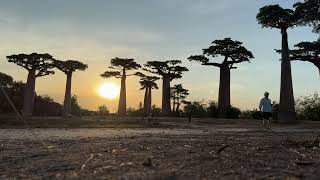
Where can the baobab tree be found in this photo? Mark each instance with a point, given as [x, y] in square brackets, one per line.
[168, 70]
[147, 83]
[37, 65]
[307, 51]
[69, 67]
[274, 16]
[232, 53]
[178, 95]
[309, 13]
[122, 66]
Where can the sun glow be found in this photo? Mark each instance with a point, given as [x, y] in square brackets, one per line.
[108, 90]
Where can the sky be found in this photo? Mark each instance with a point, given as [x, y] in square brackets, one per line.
[94, 31]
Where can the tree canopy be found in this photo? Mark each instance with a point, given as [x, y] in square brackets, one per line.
[122, 65]
[274, 16]
[307, 51]
[147, 81]
[232, 51]
[309, 13]
[41, 63]
[5, 79]
[70, 66]
[170, 68]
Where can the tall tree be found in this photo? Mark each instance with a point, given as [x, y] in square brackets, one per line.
[274, 16]
[309, 13]
[307, 51]
[69, 67]
[178, 95]
[168, 70]
[232, 53]
[37, 65]
[122, 66]
[147, 83]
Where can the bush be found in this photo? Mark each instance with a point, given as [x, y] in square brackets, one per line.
[251, 114]
[212, 109]
[196, 109]
[232, 113]
[308, 107]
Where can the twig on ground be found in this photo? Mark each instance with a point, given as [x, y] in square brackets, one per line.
[222, 148]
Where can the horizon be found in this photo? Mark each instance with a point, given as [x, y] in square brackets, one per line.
[94, 32]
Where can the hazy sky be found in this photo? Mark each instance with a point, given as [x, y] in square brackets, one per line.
[94, 31]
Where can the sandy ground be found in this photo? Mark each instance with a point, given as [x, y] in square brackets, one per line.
[196, 151]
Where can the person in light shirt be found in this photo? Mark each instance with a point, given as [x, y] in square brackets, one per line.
[265, 107]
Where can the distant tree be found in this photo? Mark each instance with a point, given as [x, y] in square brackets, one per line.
[307, 51]
[68, 67]
[147, 83]
[178, 95]
[5, 80]
[37, 65]
[274, 16]
[309, 13]
[233, 53]
[75, 107]
[123, 65]
[168, 70]
[196, 109]
[103, 110]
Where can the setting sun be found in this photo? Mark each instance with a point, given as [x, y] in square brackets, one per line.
[108, 90]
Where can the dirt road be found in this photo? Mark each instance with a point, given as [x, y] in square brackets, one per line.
[197, 151]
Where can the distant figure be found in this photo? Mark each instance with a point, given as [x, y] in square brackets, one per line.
[266, 108]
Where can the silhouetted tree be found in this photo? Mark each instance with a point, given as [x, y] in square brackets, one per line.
[178, 94]
[307, 51]
[68, 67]
[168, 70]
[75, 107]
[233, 53]
[309, 13]
[5, 80]
[123, 65]
[147, 83]
[103, 110]
[37, 65]
[274, 16]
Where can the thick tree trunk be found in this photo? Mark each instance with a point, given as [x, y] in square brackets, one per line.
[67, 97]
[29, 93]
[122, 100]
[286, 108]
[224, 90]
[145, 102]
[166, 96]
[149, 107]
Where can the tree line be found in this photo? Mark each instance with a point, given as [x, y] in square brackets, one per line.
[232, 51]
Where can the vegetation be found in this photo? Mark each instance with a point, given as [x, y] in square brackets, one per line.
[69, 67]
[178, 95]
[168, 70]
[308, 107]
[233, 53]
[274, 16]
[37, 65]
[122, 66]
[147, 83]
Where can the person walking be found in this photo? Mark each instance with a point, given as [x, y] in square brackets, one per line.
[265, 107]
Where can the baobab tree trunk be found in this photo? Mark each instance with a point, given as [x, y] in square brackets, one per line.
[166, 96]
[145, 101]
[122, 100]
[224, 89]
[29, 93]
[149, 108]
[286, 107]
[67, 97]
